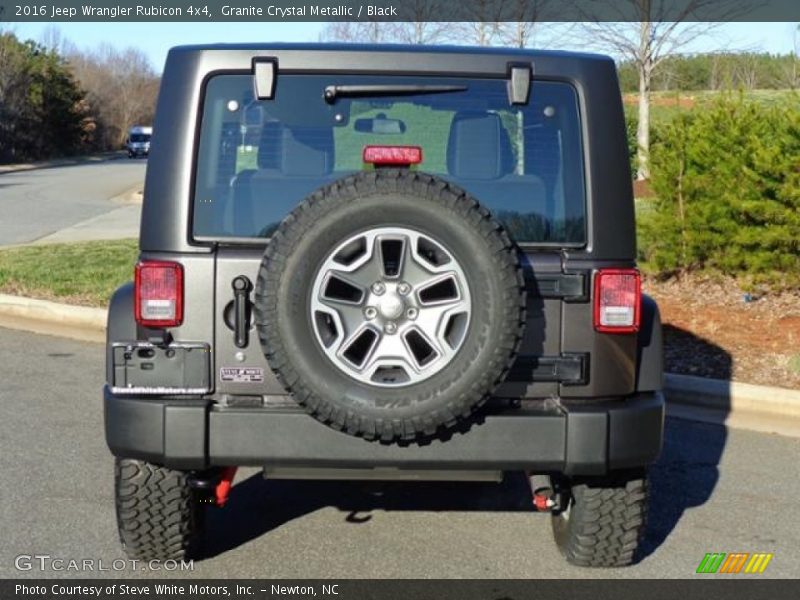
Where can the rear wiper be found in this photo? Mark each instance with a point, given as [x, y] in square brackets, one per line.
[334, 91]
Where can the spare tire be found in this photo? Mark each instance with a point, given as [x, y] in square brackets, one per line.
[390, 304]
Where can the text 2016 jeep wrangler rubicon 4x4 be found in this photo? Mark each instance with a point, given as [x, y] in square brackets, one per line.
[378, 262]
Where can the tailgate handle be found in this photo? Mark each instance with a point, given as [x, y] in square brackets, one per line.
[241, 291]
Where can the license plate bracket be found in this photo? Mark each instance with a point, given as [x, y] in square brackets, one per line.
[145, 368]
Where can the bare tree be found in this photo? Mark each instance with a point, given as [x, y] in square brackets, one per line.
[527, 16]
[374, 32]
[52, 39]
[423, 29]
[746, 71]
[121, 88]
[791, 75]
[664, 28]
[483, 28]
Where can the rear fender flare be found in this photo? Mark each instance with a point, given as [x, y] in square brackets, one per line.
[121, 324]
[650, 351]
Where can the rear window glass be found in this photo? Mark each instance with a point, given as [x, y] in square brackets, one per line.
[258, 159]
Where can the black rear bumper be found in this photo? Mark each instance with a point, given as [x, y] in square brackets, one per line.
[572, 438]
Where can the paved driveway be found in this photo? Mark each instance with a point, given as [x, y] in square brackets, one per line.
[714, 490]
[38, 203]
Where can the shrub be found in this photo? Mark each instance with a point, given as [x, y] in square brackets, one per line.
[727, 182]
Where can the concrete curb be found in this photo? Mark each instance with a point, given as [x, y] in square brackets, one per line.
[61, 162]
[133, 195]
[732, 396]
[52, 318]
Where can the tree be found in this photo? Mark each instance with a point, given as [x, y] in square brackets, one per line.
[356, 32]
[791, 71]
[727, 193]
[423, 29]
[41, 104]
[663, 28]
[527, 15]
[485, 21]
[121, 88]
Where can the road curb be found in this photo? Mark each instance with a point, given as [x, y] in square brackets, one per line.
[132, 195]
[53, 318]
[732, 396]
[60, 162]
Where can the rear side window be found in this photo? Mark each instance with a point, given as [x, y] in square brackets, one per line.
[258, 159]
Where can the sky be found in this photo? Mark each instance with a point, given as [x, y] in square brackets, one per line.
[155, 39]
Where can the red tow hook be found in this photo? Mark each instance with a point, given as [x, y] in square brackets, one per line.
[542, 491]
[224, 486]
[542, 503]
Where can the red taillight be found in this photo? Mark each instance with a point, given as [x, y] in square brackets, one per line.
[392, 155]
[617, 300]
[159, 293]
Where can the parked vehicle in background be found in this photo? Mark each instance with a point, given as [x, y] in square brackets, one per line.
[138, 143]
[386, 262]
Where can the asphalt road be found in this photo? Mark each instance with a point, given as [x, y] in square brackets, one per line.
[714, 490]
[35, 204]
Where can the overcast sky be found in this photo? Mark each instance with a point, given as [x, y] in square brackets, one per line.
[156, 38]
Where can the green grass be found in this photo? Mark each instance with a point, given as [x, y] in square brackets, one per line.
[85, 273]
[664, 106]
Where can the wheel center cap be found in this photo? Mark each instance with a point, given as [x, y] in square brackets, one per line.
[391, 306]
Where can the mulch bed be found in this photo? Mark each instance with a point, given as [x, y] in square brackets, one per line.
[713, 329]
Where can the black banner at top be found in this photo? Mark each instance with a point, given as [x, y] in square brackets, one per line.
[399, 10]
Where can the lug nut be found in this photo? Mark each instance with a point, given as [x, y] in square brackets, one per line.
[390, 327]
[403, 288]
[370, 312]
[378, 288]
[412, 313]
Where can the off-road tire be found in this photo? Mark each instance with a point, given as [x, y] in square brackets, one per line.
[402, 198]
[605, 523]
[159, 517]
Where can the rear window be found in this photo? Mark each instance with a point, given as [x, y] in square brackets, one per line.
[258, 159]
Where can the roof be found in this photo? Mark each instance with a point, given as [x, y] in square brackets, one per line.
[407, 48]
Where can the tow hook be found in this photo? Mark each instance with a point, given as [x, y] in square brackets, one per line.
[224, 486]
[214, 485]
[542, 490]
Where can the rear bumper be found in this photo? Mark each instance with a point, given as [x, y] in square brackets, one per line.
[577, 439]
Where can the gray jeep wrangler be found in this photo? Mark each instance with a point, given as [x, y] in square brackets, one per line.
[386, 262]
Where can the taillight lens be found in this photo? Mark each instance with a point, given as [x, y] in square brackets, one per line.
[392, 155]
[617, 300]
[159, 293]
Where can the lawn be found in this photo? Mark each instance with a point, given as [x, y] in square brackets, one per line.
[666, 105]
[86, 273]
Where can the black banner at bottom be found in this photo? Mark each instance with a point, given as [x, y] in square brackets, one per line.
[370, 589]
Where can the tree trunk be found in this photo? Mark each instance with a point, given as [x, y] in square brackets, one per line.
[643, 128]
